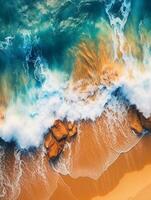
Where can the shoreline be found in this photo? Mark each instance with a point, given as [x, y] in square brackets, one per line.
[124, 175]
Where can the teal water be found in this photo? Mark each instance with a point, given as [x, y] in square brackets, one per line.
[35, 33]
[37, 39]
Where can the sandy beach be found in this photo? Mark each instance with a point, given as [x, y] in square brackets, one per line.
[75, 100]
[129, 178]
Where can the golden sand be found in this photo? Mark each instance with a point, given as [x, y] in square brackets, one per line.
[129, 178]
[91, 154]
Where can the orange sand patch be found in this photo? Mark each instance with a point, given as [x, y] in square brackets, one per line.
[129, 178]
[131, 186]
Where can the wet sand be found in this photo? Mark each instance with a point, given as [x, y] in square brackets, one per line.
[131, 186]
[129, 178]
[125, 179]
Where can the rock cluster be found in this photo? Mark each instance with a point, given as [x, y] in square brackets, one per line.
[58, 135]
[146, 122]
[63, 131]
[135, 121]
[138, 122]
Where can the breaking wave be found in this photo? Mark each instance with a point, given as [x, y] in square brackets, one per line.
[40, 91]
[49, 70]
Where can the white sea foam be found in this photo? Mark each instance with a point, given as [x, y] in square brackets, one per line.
[118, 22]
[27, 122]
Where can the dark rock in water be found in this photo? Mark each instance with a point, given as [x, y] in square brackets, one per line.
[58, 135]
[135, 121]
[146, 122]
[59, 130]
[55, 149]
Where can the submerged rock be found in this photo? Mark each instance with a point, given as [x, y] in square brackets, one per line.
[134, 121]
[58, 135]
[54, 147]
[59, 130]
[63, 131]
[137, 121]
[146, 122]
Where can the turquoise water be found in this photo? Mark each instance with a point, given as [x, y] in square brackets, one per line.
[38, 44]
[35, 33]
